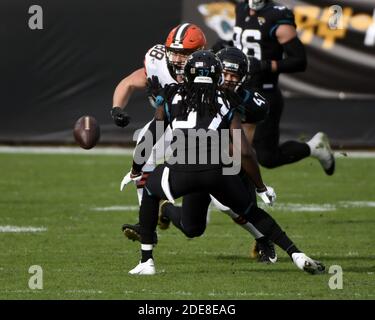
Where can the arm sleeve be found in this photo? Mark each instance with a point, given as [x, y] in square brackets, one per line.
[248, 158]
[295, 57]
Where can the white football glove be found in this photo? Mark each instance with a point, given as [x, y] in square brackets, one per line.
[128, 178]
[268, 196]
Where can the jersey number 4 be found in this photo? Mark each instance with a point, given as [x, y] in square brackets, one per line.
[244, 40]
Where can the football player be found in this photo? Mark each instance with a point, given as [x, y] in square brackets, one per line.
[197, 104]
[163, 64]
[253, 109]
[267, 33]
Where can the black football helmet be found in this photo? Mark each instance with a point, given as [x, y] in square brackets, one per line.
[235, 61]
[203, 67]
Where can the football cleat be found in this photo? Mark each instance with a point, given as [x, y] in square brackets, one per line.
[132, 232]
[321, 150]
[145, 268]
[307, 264]
[264, 251]
[163, 222]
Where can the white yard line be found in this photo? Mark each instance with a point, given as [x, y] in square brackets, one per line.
[304, 207]
[357, 204]
[210, 293]
[17, 229]
[117, 208]
[290, 207]
[354, 154]
[90, 291]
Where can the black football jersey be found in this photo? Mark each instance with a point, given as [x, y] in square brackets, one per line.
[188, 124]
[253, 108]
[255, 35]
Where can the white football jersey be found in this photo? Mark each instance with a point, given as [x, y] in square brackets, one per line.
[156, 65]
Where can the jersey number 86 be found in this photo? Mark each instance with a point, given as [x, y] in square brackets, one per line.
[243, 40]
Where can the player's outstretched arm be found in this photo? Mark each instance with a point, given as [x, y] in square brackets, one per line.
[250, 164]
[248, 158]
[124, 90]
[295, 60]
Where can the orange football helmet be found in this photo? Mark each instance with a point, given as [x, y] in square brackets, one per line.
[182, 41]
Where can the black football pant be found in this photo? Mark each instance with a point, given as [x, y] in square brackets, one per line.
[196, 187]
[228, 189]
[191, 217]
[267, 133]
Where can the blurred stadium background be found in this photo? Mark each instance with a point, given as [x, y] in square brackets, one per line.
[51, 77]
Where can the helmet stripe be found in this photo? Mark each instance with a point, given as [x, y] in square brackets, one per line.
[181, 32]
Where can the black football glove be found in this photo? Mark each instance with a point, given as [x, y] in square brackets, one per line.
[120, 117]
[259, 66]
[153, 86]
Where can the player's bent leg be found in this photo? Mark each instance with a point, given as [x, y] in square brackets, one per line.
[320, 149]
[132, 231]
[194, 214]
[269, 227]
[264, 248]
[287, 153]
[190, 218]
[148, 218]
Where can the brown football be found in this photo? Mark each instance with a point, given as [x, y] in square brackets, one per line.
[86, 132]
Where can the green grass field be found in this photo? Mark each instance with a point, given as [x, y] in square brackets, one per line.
[85, 256]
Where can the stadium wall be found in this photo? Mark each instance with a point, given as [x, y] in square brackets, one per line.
[52, 76]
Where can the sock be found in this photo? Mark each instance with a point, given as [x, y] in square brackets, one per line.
[292, 249]
[148, 218]
[293, 151]
[285, 243]
[146, 250]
